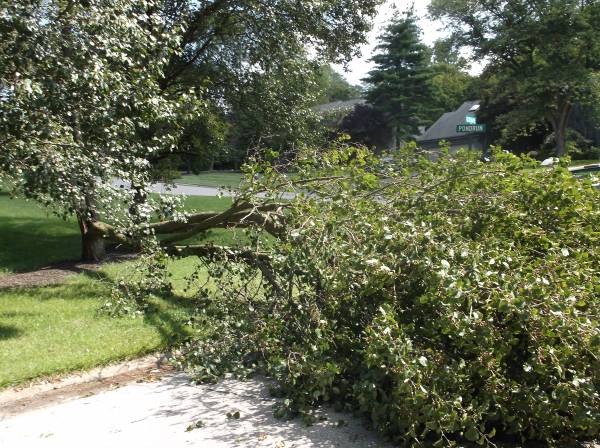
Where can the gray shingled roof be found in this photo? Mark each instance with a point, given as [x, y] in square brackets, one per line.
[339, 105]
[445, 127]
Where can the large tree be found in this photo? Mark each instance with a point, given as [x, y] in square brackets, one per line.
[260, 61]
[399, 85]
[543, 53]
[100, 89]
[79, 93]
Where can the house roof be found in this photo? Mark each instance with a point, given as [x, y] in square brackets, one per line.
[445, 127]
[339, 105]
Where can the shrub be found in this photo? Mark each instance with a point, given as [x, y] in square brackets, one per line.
[445, 301]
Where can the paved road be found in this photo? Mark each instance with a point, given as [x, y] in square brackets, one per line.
[188, 190]
[158, 414]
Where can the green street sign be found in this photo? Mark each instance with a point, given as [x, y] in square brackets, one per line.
[471, 128]
[471, 119]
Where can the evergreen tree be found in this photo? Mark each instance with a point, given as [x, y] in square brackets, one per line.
[399, 84]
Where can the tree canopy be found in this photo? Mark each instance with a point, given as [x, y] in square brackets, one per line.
[100, 89]
[542, 53]
[80, 95]
[260, 61]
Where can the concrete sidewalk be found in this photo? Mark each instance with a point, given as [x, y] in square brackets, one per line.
[171, 412]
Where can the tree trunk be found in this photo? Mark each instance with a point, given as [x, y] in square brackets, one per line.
[559, 121]
[92, 241]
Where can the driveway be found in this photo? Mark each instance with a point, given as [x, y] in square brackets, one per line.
[170, 412]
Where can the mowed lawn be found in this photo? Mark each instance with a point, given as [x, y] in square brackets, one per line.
[32, 237]
[55, 329]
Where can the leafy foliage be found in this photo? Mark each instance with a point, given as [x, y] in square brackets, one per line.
[81, 103]
[543, 53]
[450, 87]
[275, 108]
[250, 58]
[445, 301]
[334, 87]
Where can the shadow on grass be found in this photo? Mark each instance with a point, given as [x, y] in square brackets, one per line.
[170, 318]
[31, 243]
[97, 276]
[172, 330]
[12, 314]
[9, 332]
[70, 290]
[168, 315]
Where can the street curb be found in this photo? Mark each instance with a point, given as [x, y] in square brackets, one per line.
[25, 398]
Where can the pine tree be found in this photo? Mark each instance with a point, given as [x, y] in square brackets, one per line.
[399, 84]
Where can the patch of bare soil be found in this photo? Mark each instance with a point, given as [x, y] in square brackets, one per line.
[48, 391]
[57, 273]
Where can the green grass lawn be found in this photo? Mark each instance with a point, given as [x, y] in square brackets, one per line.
[31, 237]
[215, 179]
[55, 329]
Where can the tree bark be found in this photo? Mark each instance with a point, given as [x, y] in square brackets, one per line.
[92, 241]
[559, 121]
[92, 238]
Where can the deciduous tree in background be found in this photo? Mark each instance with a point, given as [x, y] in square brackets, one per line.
[450, 83]
[334, 87]
[544, 53]
[252, 59]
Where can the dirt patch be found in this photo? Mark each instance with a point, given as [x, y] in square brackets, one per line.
[56, 273]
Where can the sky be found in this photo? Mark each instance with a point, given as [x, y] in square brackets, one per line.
[359, 67]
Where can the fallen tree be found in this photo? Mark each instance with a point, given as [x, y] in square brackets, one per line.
[446, 302]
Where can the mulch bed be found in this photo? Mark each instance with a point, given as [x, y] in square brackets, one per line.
[57, 273]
